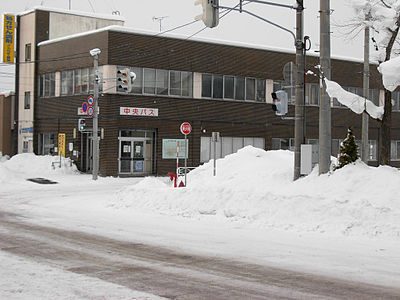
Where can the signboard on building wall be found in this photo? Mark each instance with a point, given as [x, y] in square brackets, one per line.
[138, 111]
[8, 39]
[169, 148]
[61, 144]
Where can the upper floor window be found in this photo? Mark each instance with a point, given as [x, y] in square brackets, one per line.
[47, 85]
[162, 82]
[28, 50]
[232, 87]
[27, 100]
[79, 81]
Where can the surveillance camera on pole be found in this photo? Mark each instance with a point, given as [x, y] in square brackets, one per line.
[210, 15]
[125, 78]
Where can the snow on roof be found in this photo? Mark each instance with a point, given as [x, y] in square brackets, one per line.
[73, 12]
[124, 29]
[6, 93]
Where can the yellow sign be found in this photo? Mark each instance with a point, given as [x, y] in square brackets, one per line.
[61, 144]
[8, 39]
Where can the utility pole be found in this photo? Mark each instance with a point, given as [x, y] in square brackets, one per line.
[299, 108]
[365, 117]
[325, 101]
[95, 53]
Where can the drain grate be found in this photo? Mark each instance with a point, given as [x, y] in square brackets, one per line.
[41, 180]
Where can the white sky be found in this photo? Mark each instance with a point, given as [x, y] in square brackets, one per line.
[233, 27]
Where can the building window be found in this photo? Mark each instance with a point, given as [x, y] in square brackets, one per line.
[227, 145]
[283, 143]
[395, 150]
[187, 84]
[28, 50]
[137, 86]
[46, 143]
[78, 81]
[175, 83]
[260, 95]
[239, 88]
[25, 146]
[67, 80]
[218, 86]
[47, 85]
[27, 100]
[162, 82]
[206, 85]
[149, 81]
[85, 81]
[229, 87]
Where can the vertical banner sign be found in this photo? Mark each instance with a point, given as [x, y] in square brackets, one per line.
[61, 144]
[8, 39]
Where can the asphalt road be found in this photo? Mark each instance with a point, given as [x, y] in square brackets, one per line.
[171, 274]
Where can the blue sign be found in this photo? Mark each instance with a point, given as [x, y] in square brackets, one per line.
[26, 130]
[84, 106]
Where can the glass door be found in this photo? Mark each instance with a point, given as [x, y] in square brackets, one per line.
[138, 157]
[125, 158]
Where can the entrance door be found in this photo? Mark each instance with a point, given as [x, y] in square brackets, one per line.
[136, 155]
[125, 157]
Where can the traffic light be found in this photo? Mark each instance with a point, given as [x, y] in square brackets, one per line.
[280, 103]
[210, 15]
[124, 79]
[81, 125]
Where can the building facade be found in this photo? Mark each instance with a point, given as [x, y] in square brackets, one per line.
[215, 87]
[34, 26]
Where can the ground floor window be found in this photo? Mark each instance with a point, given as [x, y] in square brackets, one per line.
[226, 145]
[395, 150]
[46, 143]
[288, 144]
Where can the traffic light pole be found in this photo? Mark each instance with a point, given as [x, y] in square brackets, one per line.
[300, 64]
[95, 53]
[299, 107]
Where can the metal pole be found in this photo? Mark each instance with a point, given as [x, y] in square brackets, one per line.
[95, 118]
[186, 152]
[69, 5]
[325, 101]
[215, 156]
[298, 123]
[365, 120]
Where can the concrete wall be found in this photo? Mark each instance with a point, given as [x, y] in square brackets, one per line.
[64, 24]
[26, 29]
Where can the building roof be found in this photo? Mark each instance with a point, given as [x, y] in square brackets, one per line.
[117, 28]
[73, 12]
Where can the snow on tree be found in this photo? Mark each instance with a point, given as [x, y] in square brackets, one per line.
[383, 18]
[348, 150]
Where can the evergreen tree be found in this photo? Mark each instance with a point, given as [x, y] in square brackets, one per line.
[348, 150]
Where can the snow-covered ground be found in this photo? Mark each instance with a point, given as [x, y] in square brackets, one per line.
[345, 224]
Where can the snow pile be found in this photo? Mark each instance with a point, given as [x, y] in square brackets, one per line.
[356, 103]
[254, 188]
[29, 165]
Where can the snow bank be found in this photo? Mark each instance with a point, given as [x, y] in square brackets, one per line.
[254, 188]
[29, 165]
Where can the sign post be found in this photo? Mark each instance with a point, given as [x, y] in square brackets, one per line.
[215, 139]
[186, 128]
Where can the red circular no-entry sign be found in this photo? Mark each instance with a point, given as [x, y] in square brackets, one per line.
[90, 111]
[186, 128]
